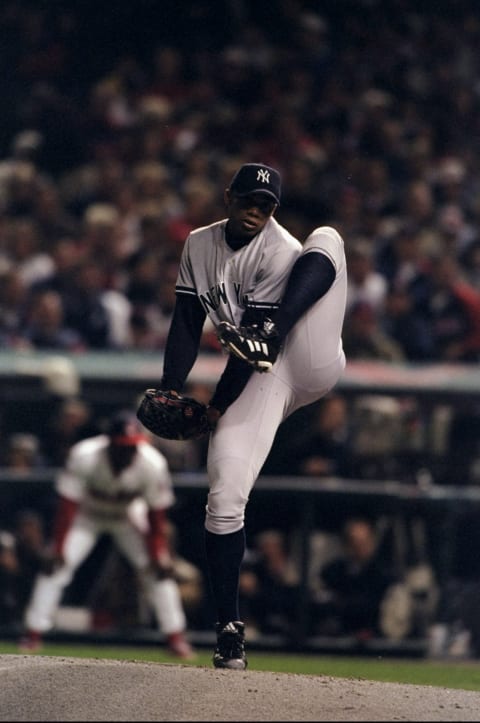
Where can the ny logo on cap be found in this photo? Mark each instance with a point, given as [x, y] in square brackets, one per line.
[263, 176]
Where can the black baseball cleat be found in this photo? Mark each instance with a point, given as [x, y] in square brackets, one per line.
[257, 345]
[230, 651]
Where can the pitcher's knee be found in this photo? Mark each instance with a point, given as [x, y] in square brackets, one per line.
[224, 516]
[230, 486]
[220, 525]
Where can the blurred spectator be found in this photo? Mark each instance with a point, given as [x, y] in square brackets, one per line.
[24, 151]
[379, 194]
[84, 310]
[142, 336]
[13, 303]
[8, 579]
[21, 185]
[200, 198]
[455, 230]
[461, 459]
[168, 78]
[129, 222]
[449, 177]
[154, 234]
[378, 437]
[153, 182]
[23, 452]
[325, 448]
[26, 253]
[365, 283]
[143, 276]
[399, 258]
[71, 420]
[347, 211]
[119, 313]
[66, 254]
[269, 585]
[364, 337]
[354, 585]
[46, 326]
[401, 323]
[101, 238]
[417, 210]
[99, 313]
[53, 220]
[470, 263]
[450, 309]
[151, 293]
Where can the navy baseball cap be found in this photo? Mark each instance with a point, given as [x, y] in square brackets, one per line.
[124, 429]
[257, 178]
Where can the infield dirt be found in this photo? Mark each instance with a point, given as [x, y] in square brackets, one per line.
[42, 688]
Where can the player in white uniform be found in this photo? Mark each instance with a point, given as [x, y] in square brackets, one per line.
[104, 476]
[236, 271]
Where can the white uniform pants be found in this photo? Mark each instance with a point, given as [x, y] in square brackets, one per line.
[245, 434]
[163, 595]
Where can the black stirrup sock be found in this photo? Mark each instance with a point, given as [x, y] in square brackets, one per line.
[224, 557]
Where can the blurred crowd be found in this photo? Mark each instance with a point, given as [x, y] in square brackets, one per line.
[111, 154]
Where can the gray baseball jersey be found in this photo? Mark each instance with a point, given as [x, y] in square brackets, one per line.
[226, 281]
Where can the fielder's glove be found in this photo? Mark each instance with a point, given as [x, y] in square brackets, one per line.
[172, 416]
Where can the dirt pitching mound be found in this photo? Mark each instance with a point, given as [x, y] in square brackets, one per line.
[43, 688]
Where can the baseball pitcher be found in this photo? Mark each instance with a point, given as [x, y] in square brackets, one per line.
[236, 271]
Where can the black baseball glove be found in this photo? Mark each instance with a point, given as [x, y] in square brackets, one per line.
[173, 417]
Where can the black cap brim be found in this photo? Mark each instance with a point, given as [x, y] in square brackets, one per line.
[257, 190]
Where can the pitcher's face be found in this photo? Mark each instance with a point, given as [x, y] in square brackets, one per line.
[247, 215]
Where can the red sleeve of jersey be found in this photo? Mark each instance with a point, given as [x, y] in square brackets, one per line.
[66, 511]
[157, 533]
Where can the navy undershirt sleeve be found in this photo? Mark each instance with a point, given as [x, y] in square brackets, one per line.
[183, 341]
[310, 278]
[231, 384]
